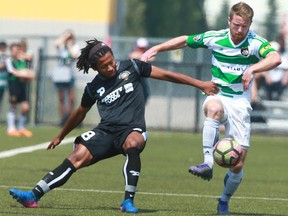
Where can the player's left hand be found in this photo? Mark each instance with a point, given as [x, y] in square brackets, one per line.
[246, 79]
[149, 55]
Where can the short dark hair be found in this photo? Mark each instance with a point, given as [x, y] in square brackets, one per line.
[90, 54]
[3, 44]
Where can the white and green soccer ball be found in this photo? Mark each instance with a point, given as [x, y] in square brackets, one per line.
[227, 152]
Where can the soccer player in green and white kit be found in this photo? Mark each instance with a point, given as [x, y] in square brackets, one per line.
[237, 54]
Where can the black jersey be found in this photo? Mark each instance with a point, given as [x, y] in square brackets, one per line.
[120, 100]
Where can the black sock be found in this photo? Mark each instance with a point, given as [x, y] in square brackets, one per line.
[55, 178]
[131, 172]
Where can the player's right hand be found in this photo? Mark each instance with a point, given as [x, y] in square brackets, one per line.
[54, 143]
[210, 88]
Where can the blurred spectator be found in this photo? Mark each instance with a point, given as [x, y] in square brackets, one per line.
[3, 71]
[24, 53]
[18, 77]
[141, 46]
[274, 81]
[65, 72]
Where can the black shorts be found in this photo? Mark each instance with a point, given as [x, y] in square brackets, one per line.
[17, 91]
[65, 85]
[104, 144]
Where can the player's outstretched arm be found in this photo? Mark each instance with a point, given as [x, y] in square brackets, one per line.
[208, 87]
[73, 121]
[175, 43]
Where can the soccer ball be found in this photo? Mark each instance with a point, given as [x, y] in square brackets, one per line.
[227, 152]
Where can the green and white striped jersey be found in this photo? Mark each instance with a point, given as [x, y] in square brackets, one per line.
[230, 61]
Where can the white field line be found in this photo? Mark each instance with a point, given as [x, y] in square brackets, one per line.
[27, 149]
[158, 194]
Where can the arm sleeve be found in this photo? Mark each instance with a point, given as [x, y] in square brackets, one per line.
[205, 40]
[265, 48]
[87, 98]
[196, 41]
[143, 68]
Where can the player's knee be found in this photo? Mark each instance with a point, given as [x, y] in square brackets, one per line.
[214, 110]
[80, 157]
[25, 107]
[25, 111]
[134, 142]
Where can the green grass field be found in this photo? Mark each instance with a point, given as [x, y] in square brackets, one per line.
[165, 186]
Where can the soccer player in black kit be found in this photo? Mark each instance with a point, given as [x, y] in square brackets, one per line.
[122, 130]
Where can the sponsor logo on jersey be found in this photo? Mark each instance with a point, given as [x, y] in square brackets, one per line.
[128, 87]
[114, 95]
[245, 51]
[197, 38]
[101, 91]
[236, 69]
[124, 75]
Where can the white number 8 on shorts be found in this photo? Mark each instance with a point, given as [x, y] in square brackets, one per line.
[87, 135]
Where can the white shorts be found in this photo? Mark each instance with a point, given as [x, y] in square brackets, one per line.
[236, 118]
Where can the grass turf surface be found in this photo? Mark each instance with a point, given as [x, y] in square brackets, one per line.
[165, 186]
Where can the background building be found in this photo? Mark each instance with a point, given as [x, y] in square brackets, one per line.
[50, 18]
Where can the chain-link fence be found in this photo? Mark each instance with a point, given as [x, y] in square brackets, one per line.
[169, 107]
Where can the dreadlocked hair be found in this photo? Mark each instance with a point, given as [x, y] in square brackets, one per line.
[89, 56]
